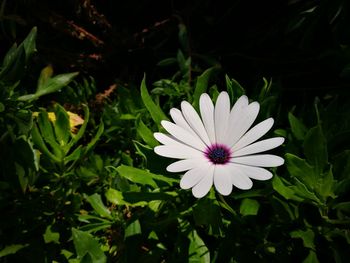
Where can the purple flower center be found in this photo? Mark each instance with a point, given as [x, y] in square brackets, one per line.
[218, 154]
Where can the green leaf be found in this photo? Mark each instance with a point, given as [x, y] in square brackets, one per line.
[202, 85]
[183, 37]
[207, 212]
[234, 89]
[2, 107]
[80, 133]
[137, 198]
[167, 62]
[16, 58]
[56, 83]
[62, 126]
[326, 184]
[10, 56]
[15, 66]
[50, 236]
[116, 197]
[249, 207]
[156, 112]
[40, 144]
[146, 134]
[11, 249]
[265, 90]
[27, 97]
[47, 132]
[22, 178]
[97, 204]
[45, 74]
[286, 191]
[94, 227]
[85, 244]
[315, 148]
[29, 43]
[311, 258]
[143, 177]
[300, 169]
[311, 181]
[307, 236]
[298, 128]
[96, 138]
[134, 228]
[303, 191]
[197, 250]
[74, 156]
[183, 63]
[67, 254]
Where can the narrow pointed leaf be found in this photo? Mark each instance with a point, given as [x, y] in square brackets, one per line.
[156, 112]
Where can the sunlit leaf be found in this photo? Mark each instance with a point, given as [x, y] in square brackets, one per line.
[116, 197]
[62, 126]
[85, 244]
[249, 207]
[45, 74]
[97, 204]
[50, 236]
[134, 228]
[55, 83]
[307, 236]
[40, 144]
[311, 258]
[146, 134]
[143, 177]
[11, 249]
[198, 251]
[284, 190]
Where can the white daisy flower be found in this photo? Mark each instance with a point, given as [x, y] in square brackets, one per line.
[218, 147]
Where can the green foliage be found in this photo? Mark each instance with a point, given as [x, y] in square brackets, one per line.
[96, 192]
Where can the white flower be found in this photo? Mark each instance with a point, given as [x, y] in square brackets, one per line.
[217, 147]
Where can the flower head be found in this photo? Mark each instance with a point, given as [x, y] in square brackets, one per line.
[217, 147]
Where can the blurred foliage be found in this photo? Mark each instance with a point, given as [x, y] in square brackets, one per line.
[79, 179]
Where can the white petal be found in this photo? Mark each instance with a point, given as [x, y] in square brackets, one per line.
[263, 160]
[184, 165]
[242, 123]
[222, 180]
[192, 177]
[254, 134]
[193, 119]
[166, 139]
[183, 135]
[238, 178]
[203, 187]
[235, 114]
[222, 113]
[178, 152]
[256, 173]
[179, 119]
[207, 112]
[260, 146]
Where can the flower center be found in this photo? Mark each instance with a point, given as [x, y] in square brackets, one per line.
[218, 154]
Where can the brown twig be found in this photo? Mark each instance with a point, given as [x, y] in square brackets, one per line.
[73, 29]
[101, 97]
[92, 14]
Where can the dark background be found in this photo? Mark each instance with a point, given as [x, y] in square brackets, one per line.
[302, 45]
